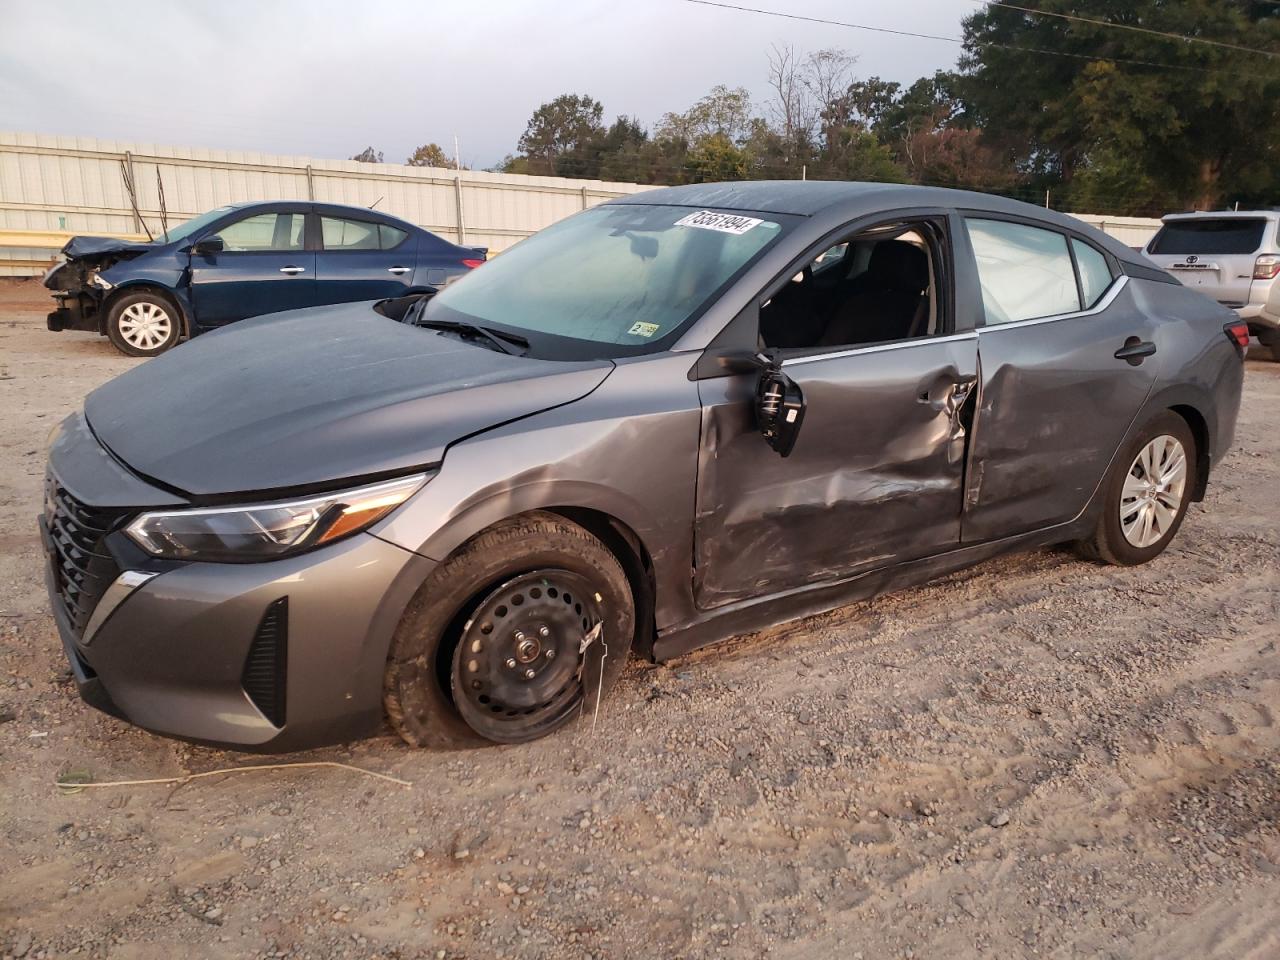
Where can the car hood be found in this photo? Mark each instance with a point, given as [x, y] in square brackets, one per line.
[313, 397]
[78, 247]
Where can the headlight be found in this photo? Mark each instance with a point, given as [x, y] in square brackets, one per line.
[266, 531]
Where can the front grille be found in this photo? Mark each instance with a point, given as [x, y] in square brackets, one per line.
[82, 568]
[265, 666]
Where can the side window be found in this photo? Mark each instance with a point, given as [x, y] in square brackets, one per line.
[1095, 272]
[348, 234]
[391, 236]
[1025, 272]
[264, 232]
[875, 286]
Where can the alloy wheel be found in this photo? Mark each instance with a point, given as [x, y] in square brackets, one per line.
[1151, 497]
[144, 326]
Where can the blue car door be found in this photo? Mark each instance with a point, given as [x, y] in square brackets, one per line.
[363, 259]
[263, 267]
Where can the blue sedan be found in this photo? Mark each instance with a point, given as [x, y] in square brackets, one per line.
[242, 261]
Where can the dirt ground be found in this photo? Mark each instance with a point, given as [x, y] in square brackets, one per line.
[1039, 757]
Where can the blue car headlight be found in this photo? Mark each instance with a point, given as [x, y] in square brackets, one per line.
[267, 531]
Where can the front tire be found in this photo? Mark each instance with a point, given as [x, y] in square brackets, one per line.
[1146, 494]
[143, 324]
[491, 648]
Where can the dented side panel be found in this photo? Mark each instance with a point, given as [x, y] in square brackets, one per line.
[876, 475]
[1054, 405]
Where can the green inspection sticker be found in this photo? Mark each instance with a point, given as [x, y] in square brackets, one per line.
[640, 329]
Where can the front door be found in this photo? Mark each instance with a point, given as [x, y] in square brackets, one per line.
[876, 474]
[263, 267]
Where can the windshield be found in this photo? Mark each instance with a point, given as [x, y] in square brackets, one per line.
[618, 279]
[184, 230]
[1226, 236]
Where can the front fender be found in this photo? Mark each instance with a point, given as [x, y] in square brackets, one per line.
[628, 451]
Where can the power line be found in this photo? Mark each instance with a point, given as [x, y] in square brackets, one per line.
[1076, 18]
[958, 40]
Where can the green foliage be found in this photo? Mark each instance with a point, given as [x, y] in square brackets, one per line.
[1038, 104]
[429, 155]
[716, 157]
[559, 133]
[1198, 130]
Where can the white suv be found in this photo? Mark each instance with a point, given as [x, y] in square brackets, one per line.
[1233, 257]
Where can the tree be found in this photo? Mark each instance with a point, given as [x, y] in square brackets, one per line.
[725, 111]
[369, 155]
[1066, 98]
[555, 140]
[716, 157]
[429, 155]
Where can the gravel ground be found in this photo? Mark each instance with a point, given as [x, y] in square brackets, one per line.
[1039, 757]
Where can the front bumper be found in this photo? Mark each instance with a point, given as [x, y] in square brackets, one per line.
[75, 311]
[182, 654]
[271, 656]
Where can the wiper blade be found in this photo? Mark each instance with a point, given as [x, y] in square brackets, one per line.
[511, 343]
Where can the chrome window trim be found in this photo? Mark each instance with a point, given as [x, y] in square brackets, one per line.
[880, 348]
[1108, 298]
[112, 597]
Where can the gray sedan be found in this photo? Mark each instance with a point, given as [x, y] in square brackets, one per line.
[672, 418]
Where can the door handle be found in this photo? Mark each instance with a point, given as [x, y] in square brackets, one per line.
[1135, 350]
[398, 270]
[291, 270]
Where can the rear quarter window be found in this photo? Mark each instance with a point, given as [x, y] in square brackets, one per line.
[1229, 235]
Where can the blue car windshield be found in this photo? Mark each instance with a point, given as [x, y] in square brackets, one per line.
[184, 230]
[619, 279]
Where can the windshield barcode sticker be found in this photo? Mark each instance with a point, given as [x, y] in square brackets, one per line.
[721, 222]
[642, 329]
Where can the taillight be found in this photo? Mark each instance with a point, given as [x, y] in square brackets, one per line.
[471, 264]
[1237, 332]
[1266, 268]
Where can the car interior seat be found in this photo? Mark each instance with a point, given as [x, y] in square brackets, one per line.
[889, 301]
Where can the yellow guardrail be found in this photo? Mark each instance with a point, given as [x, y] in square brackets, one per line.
[54, 239]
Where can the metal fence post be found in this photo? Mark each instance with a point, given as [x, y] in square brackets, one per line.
[584, 198]
[311, 187]
[457, 196]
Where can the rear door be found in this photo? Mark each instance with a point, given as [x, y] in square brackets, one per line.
[263, 267]
[1214, 255]
[1054, 400]
[363, 259]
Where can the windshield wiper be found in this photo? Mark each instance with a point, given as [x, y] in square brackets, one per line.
[511, 343]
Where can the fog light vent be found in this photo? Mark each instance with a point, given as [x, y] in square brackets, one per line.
[264, 669]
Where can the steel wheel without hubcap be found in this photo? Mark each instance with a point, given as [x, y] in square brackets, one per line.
[527, 654]
[144, 326]
[1153, 490]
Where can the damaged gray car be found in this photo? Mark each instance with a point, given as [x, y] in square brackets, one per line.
[679, 416]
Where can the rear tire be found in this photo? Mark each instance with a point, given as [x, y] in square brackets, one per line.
[1270, 338]
[500, 599]
[1145, 495]
[143, 324]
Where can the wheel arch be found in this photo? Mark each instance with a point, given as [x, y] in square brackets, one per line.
[1199, 427]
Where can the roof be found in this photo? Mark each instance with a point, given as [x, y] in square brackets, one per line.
[844, 200]
[1222, 215]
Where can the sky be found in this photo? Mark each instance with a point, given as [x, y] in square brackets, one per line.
[326, 79]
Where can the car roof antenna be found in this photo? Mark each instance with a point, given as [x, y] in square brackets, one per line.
[375, 203]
